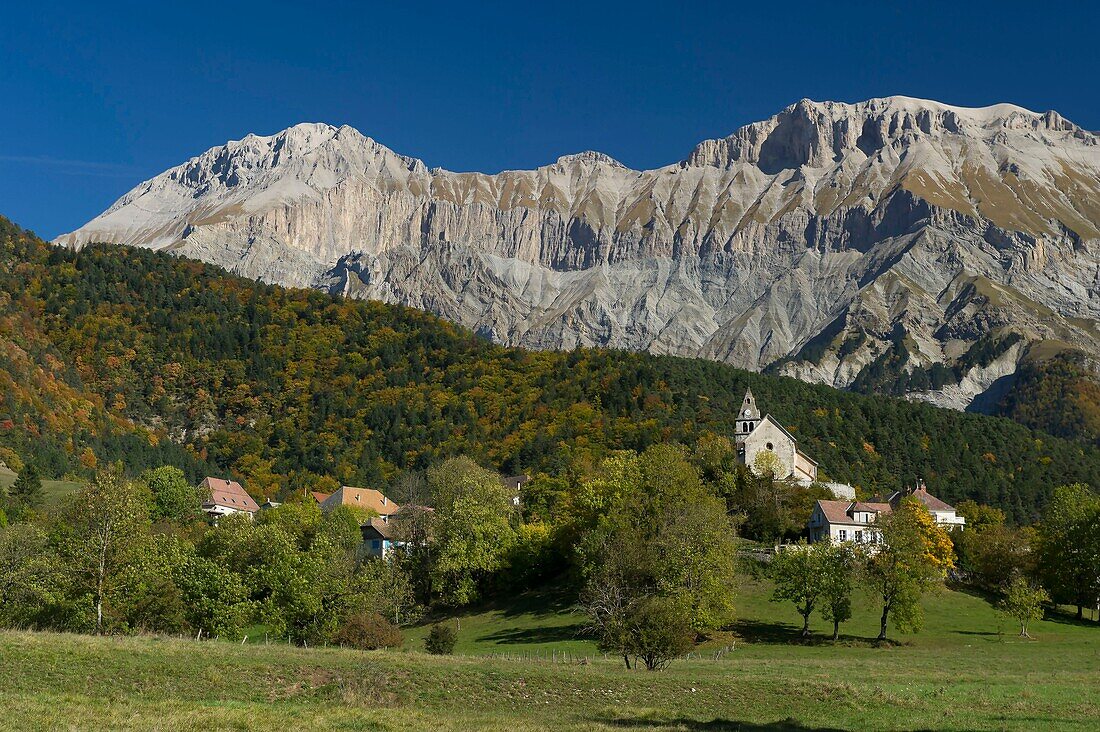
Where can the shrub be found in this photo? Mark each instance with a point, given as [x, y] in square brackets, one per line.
[660, 631]
[368, 631]
[441, 639]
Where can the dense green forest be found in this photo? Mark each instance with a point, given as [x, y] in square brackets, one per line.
[114, 353]
[1059, 395]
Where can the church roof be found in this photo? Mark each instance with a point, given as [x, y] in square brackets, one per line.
[748, 404]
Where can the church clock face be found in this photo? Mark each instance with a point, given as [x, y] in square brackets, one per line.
[748, 412]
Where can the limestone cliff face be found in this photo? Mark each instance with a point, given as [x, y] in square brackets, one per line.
[842, 243]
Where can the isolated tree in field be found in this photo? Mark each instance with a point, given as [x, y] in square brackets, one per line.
[799, 578]
[471, 528]
[1068, 546]
[1024, 602]
[838, 563]
[109, 522]
[914, 558]
[174, 498]
[659, 632]
[661, 545]
[27, 488]
[441, 639]
[367, 631]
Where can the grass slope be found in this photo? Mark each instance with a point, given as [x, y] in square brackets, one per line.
[961, 672]
[55, 490]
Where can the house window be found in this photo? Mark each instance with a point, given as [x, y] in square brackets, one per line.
[842, 535]
[859, 536]
[375, 544]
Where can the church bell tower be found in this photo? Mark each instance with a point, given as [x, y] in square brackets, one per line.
[748, 417]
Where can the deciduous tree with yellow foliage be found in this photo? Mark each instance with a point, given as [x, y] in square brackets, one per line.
[913, 559]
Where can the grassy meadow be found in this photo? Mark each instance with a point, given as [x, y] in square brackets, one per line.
[966, 670]
[54, 490]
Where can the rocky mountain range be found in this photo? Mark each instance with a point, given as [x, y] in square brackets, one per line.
[896, 245]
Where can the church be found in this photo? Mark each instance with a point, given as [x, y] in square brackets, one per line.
[756, 434]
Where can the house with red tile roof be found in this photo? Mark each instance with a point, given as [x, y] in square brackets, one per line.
[944, 513]
[855, 520]
[366, 498]
[226, 497]
[846, 521]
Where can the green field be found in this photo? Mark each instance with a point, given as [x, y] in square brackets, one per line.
[55, 490]
[966, 670]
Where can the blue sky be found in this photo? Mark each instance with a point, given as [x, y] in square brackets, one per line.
[98, 97]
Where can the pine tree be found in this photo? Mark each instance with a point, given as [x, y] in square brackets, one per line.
[27, 488]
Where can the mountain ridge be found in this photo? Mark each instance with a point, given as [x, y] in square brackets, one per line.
[953, 224]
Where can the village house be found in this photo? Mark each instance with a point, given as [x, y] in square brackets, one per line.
[846, 521]
[226, 497]
[755, 434]
[378, 537]
[365, 498]
[855, 520]
[383, 534]
[943, 513]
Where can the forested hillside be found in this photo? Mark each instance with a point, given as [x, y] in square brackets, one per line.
[294, 388]
[1059, 395]
[46, 412]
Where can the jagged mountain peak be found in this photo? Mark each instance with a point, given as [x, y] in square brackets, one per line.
[818, 134]
[589, 156]
[816, 242]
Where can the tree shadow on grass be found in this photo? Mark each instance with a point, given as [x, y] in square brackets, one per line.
[556, 634]
[755, 631]
[1063, 617]
[546, 602]
[716, 725]
[964, 589]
